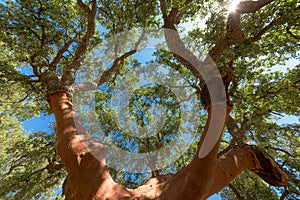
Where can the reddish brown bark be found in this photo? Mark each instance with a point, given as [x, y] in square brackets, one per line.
[88, 177]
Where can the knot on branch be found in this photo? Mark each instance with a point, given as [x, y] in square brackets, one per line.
[218, 84]
[54, 84]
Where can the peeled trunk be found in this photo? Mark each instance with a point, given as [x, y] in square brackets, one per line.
[88, 177]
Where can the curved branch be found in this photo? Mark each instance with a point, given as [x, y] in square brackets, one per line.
[252, 6]
[83, 46]
[263, 31]
[83, 6]
[235, 34]
[120, 60]
[238, 133]
[175, 43]
[282, 150]
[115, 67]
[59, 54]
[206, 155]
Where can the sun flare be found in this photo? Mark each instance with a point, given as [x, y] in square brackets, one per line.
[232, 5]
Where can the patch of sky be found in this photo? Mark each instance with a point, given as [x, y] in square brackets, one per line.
[40, 123]
[145, 55]
[215, 197]
[26, 71]
[285, 119]
[191, 24]
[291, 63]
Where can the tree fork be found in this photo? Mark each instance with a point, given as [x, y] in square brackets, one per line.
[88, 176]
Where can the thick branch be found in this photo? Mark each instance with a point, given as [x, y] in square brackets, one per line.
[175, 15]
[251, 6]
[206, 71]
[35, 66]
[282, 150]
[83, 158]
[83, 6]
[163, 7]
[59, 54]
[235, 34]
[115, 67]
[205, 159]
[263, 31]
[119, 61]
[83, 46]
[238, 133]
[175, 44]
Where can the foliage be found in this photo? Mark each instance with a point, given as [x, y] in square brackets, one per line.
[33, 33]
[245, 184]
[29, 171]
[24, 156]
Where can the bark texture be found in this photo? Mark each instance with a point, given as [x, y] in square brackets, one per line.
[88, 177]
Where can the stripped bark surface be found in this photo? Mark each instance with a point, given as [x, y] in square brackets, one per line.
[89, 178]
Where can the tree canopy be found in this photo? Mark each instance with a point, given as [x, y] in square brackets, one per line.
[48, 42]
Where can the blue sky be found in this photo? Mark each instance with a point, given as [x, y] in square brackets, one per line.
[43, 122]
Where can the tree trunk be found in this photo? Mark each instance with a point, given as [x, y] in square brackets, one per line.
[88, 177]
